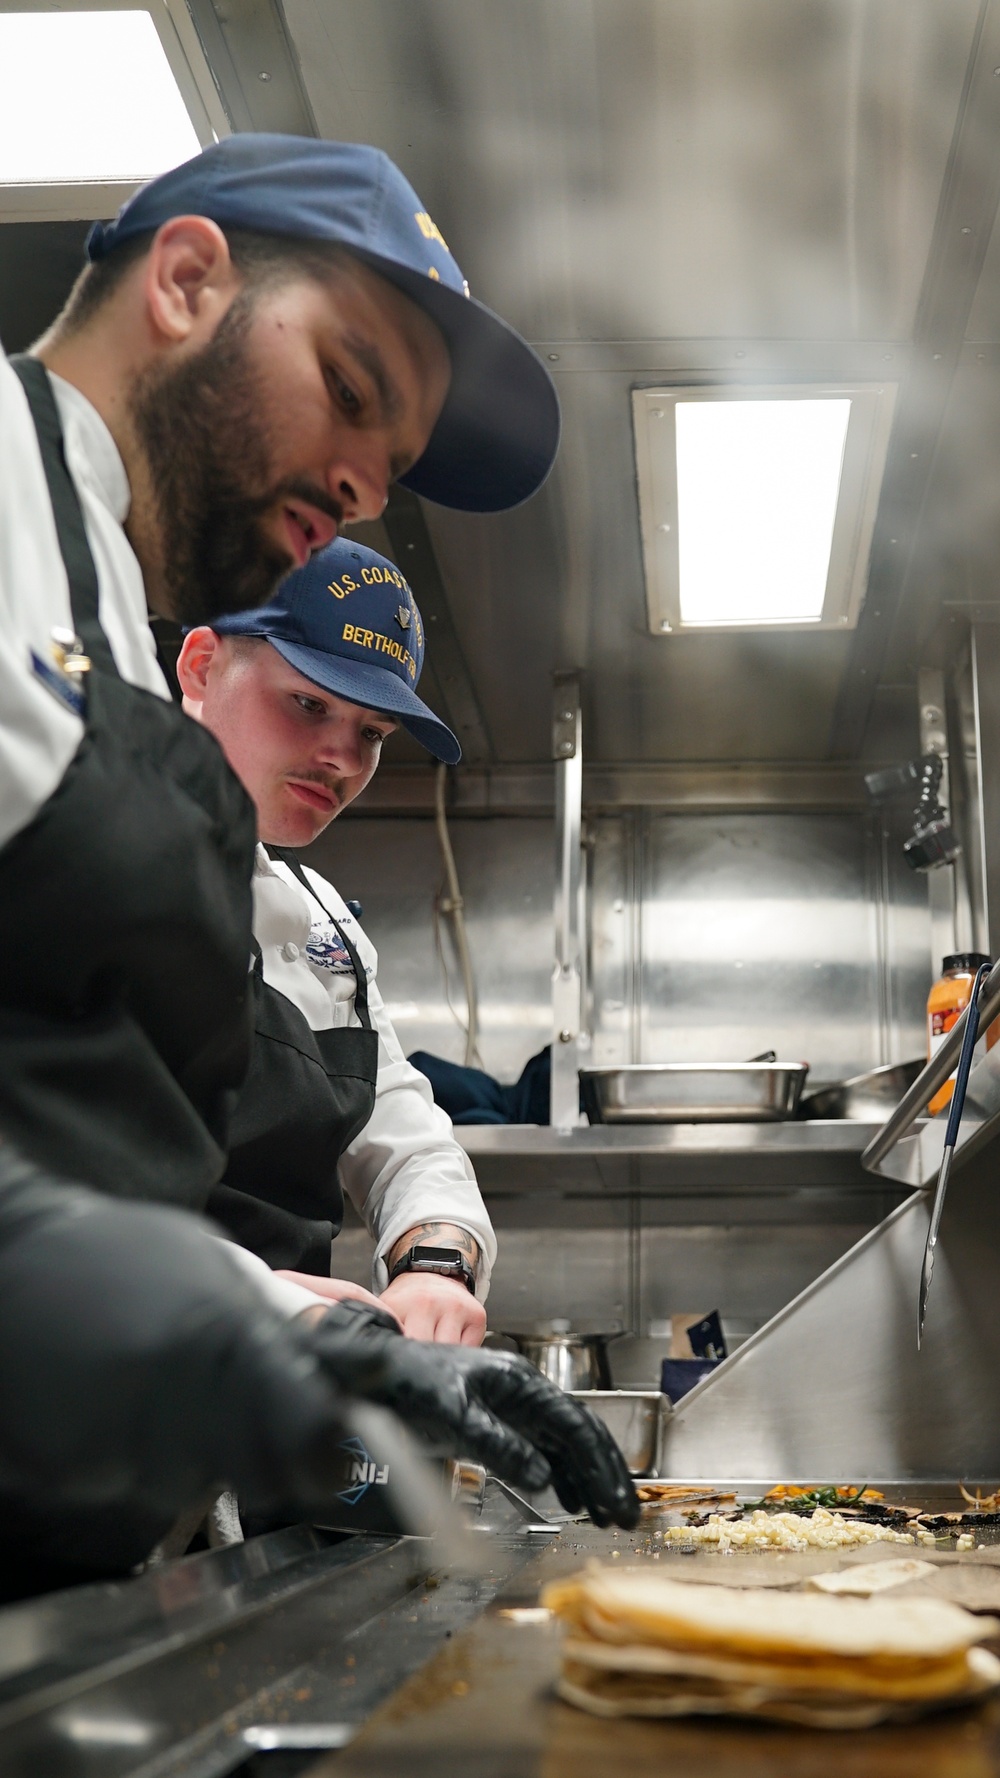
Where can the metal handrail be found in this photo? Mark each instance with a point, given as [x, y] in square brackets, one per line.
[934, 1076]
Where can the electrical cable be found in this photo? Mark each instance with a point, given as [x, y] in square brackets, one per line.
[451, 903]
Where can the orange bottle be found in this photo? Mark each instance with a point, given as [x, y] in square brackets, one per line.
[946, 1002]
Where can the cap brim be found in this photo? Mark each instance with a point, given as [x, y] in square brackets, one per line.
[375, 688]
[498, 433]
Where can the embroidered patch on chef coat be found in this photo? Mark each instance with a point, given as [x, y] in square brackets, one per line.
[327, 950]
[69, 691]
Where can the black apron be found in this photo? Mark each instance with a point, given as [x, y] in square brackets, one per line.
[124, 1012]
[306, 1097]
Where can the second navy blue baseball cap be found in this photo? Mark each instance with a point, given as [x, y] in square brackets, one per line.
[498, 432]
[348, 621]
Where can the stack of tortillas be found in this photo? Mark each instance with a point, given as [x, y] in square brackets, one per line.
[639, 1644]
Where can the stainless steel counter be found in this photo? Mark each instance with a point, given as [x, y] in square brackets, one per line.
[297, 1641]
[667, 1157]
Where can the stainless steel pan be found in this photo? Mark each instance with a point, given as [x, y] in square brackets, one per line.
[634, 1418]
[867, 1098]
[693, 1092]
[571, 1360]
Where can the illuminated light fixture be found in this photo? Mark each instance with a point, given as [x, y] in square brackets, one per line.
[758, 504]
[95, 101]
[88, 95]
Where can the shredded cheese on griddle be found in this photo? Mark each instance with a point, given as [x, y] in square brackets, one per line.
[822, 1530]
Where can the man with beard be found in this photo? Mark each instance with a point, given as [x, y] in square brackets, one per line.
[264, 339]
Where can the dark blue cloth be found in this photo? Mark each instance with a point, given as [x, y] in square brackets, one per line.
[471, 1097]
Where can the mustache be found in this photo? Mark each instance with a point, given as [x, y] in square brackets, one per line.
[325, 782]
[298, 488]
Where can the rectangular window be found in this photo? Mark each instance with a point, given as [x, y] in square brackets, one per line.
[96, 99]
[758, 504]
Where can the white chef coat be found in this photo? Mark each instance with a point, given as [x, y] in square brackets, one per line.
[405, 1167]
[38, 734]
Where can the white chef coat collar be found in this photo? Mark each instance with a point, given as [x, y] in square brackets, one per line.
[99, 448]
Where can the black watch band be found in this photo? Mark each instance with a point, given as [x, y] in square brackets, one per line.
[446, 1262]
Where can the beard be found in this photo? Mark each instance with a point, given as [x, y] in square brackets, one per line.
[208, 457]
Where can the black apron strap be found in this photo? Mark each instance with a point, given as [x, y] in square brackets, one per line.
[361, 990]
[70, 528]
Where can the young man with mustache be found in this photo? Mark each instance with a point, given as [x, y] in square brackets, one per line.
[301, 694]
[264, 339]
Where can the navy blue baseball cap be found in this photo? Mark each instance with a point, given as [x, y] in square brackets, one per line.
[498, 432]
[348, 621]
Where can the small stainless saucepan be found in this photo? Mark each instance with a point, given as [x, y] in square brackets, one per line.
[572, 1360]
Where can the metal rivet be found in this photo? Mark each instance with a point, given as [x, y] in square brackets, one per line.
[913, 456]
[657, 413]
[553, 358]
[565, 715]
[894, 540]
[263, 77]
[666, 625]
[565, 747]
[663, 527]
[937, 357]
[741, 354]
[966, 231]
[981, 356]
[566, 1036]
[886, 357]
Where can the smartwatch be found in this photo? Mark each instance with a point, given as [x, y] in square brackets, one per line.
[446, 1262]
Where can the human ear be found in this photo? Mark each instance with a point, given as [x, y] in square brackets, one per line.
[194, 665]
[189, 279]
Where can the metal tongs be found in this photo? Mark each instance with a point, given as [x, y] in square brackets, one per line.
[950, 1138]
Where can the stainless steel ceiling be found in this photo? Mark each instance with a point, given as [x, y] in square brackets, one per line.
[669, 188]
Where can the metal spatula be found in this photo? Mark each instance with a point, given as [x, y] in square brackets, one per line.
[950, 1138]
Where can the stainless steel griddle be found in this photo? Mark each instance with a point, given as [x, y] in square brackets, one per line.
[216, 1665]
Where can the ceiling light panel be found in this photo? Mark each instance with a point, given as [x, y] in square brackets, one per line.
[94, 98]
[758, 504]
[87, 96]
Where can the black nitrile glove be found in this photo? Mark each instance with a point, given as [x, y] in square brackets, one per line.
[490, 1406]
[138, 1369]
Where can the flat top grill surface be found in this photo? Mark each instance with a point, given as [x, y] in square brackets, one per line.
[484, 1704]
[172, 1675]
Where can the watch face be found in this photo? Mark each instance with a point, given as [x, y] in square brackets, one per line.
[444, 1262]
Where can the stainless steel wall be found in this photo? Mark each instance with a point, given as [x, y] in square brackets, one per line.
[832, 933]
[718, 936]
[631, 1263]
[505, 868]
[711, 935]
